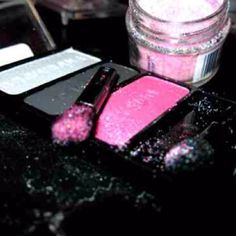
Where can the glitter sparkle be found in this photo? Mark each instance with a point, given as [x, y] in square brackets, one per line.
[74, 125]
[189, 155]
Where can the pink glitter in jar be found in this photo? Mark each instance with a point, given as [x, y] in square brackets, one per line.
[180, 39]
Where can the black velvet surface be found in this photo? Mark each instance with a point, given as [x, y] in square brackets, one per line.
[46, 190]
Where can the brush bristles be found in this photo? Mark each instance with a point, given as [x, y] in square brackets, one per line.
[74, 125]
[189, 155]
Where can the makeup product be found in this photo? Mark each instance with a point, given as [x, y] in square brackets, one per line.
[77, 122]
[135, 106]
[41, 89]
[27, 76]
[56, 98]
[149, 118]
[143, 119]
[129, 117]
[189, 155]
[181, 41]
[204, 149]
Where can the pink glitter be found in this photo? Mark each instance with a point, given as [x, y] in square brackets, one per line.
[180, 10]
[176, 152]
[133, 107]
[74, 125]
[176, 39]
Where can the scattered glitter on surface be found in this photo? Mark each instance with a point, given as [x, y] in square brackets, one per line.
[189, 155]
[40, 199]
[44, 189]
[196, 117]
[74, 125]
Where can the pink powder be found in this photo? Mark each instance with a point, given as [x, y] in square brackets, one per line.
[169, 46]
[181, 67]
[74, 125]
[180, 10]
[133, 107]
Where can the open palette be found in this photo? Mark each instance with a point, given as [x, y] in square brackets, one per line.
[149, 124]
[164, 130]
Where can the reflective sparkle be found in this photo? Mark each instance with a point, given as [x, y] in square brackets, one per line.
[189, 155]
[74, 125]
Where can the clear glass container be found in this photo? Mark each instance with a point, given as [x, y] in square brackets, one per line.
[187, 51]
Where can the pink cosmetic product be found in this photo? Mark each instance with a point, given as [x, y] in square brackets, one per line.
[181, 40]
[150, 128]
[135, 106]
[62, 92]
[76, 123]
[133, 127]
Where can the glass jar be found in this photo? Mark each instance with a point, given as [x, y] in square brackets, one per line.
[186, 51]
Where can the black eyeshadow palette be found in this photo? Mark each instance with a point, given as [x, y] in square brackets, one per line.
[195, 138]
[153, 126]
[38, 90]
[61, 95]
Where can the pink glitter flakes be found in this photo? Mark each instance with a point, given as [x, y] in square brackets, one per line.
[180, 10]
[74, 125]
[179, 39]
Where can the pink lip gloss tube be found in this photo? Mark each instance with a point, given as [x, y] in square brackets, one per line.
[180, 39]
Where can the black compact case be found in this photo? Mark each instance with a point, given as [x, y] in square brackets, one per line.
[40, 106]
[196, 115]
[206, 121]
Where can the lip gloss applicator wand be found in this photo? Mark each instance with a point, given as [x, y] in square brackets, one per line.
[76, 124]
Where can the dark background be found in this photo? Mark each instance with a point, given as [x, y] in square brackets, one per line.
[46, 191]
